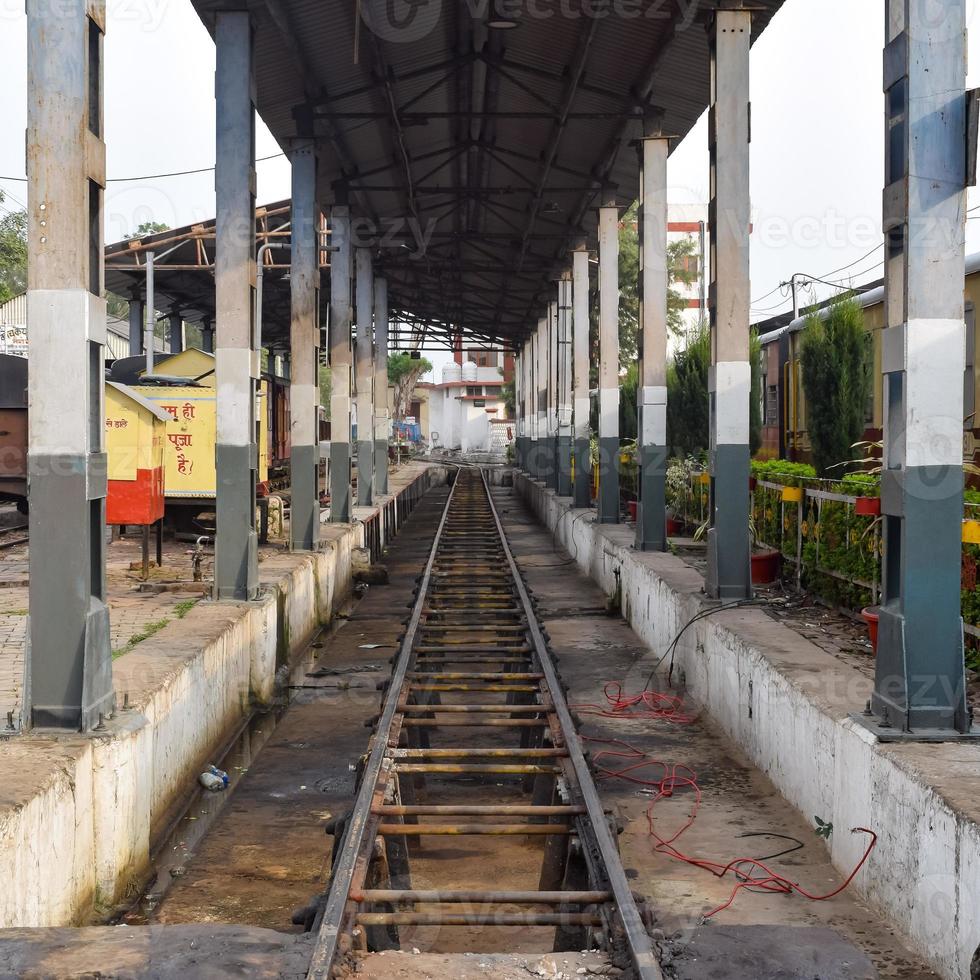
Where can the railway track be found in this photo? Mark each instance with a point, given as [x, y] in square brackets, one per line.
[475, 739]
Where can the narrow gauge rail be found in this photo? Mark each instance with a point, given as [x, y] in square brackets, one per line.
[474, 660]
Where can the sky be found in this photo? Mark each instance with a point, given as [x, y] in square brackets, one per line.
[817, 139]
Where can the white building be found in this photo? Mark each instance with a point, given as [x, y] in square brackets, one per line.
[466, 410]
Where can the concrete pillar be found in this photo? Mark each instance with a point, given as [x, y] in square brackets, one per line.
[608, 503]
[207, 336]
[651, 533]
[564, 407]
[304, 336]
[919, 671]
[236, 360]
[68, 659]
[364, 377]
[341, 260]
[382, 419]
[527, 365]
[135, 327]
[729, 385]
[541, 400]
[175, 333]
[551, 394]
[582, 489]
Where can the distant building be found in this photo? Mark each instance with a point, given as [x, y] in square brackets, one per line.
[466, 411]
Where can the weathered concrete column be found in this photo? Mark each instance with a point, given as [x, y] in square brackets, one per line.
[207, 336]
[175, 333]
[551, 394]
[236, 360]
[518, 409]
[541, 400]
[582, 489]
[304, 336]
[364, 377]
[341, 260]
[382, 418]
[608, 503]
[523, 427]
[564, 408]
[919, 671]
[729, 384]
[68, 659]
[135, 327]
[651, 533]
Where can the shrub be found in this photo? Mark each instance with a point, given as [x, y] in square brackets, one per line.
[835, 381]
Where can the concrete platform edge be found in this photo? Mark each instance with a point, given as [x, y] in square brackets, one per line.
[786, 702]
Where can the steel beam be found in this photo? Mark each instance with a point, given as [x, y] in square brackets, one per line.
[608, 502]
[364, 377]
[729, 381]
[207, 336]
[304, 335]
[920, 690]
[582, 489]
[341, 261]
[651, 402]
[68, 659]
[236, 359]
[175, 333]
[382, 417]
[564, 407]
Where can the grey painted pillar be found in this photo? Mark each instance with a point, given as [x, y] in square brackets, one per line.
[651, 533]
[341, 260]
[304, 336]
[919, 671]
[207, 336]
[565, 384]
[68, 659]
[175, 333]
[608, 503]
[236, 361]
[729, 385]
[521, 400]
[135, 327]
[582, 489]
[551, 393]
[364, 377]
[529, 402]
[382, 419]
[541, 400]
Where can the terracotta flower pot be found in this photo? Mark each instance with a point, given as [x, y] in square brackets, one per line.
[753, 482]
[765, 567]
[870, 615]
[631, 510]
[674, 526]
[867, 506]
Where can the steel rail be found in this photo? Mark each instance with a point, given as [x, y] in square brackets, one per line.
[342, 875]
[617, 914]
[641, 946]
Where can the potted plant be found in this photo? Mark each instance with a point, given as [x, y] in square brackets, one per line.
[766, 562]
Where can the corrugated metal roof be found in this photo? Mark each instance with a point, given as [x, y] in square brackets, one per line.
[495, 142]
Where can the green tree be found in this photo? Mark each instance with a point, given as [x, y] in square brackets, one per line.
[326, 387]
[404, 373]
[508, 395]
[13, 253]
[679, 270]
[687, 394]
[149, 228]
[836, 381]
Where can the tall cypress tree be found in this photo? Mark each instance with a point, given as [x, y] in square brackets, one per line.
[836, 381]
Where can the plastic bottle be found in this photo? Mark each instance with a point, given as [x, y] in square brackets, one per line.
[220, 773]
[210, 781]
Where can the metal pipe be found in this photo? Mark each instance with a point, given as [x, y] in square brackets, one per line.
[149, 314]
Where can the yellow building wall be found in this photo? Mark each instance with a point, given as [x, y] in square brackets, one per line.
[134, 437]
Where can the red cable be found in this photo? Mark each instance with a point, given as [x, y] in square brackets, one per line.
[677, 776]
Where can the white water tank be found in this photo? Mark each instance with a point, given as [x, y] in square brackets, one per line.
[469, 371]
[451, 372]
